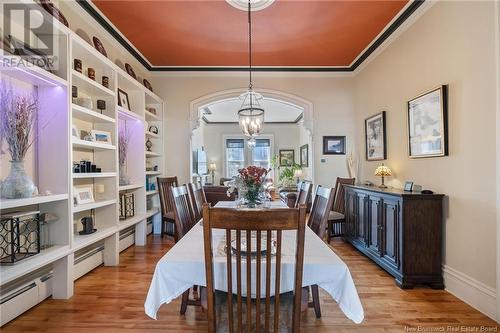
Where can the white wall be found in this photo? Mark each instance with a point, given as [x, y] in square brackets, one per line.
[332, 98]
[285, 136]
[453, 43]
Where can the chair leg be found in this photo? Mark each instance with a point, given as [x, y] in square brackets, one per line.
[162, 227]
[315, 297]
[184, 302]
[329, 231]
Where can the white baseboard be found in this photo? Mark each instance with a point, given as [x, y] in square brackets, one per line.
[475, 293]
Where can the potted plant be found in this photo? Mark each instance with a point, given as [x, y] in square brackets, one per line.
[286, 173]
[18, 114]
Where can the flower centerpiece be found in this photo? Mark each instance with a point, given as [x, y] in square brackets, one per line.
[17, 126]
[250, 184]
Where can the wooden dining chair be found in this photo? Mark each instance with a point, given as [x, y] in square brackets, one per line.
[166, 205]
[317, 222]
[304, 195]
[336, 219]
[244, 225]
[198, 198]
[184, 221]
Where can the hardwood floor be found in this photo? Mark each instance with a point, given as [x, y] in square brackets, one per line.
[111, 299]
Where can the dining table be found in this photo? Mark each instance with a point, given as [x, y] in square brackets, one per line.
[183, 266]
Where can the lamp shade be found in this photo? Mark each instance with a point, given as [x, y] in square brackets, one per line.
[383, 171]
[297, 173]
[212, 166]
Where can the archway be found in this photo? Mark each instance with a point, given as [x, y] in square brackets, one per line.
[306, 123]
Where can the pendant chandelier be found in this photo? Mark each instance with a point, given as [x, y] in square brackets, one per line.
[250, 114]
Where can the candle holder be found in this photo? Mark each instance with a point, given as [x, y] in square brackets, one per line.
[101, 105]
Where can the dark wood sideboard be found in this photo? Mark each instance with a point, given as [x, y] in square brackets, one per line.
[400, 231]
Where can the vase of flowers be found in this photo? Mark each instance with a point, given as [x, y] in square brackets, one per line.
[250, 184]
[17, 123]
[123, 143]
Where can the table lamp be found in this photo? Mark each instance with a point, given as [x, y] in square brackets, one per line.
[297, 174]
[383, 171]
[212, 167]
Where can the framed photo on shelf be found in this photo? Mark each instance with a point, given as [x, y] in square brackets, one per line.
[83, 195]
[123, 99]
[375, 137]
[304, 155]
[334, 145]
[101, 136]
[428, 124]
[75, 132]
[408, 186]
[287, 157]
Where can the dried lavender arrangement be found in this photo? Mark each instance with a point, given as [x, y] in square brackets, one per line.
[17, 124]
[123, 144]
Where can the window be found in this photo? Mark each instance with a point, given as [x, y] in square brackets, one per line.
[238, 155]
[261, 153]
[235, 156]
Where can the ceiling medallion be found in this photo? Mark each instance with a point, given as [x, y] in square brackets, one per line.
[255, 4]
[250, 114]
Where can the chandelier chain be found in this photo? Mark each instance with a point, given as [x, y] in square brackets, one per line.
[250, 86]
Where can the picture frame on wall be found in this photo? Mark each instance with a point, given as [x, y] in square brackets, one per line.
[304, 155]
[287, 157]
[334, 145]
[375, 137]
[123, 99]
[428, 124]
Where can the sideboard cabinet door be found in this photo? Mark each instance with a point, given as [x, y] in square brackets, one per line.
[390, 227]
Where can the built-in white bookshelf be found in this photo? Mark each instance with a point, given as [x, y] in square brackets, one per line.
[57, 149]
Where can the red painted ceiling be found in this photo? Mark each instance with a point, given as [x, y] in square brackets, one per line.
[287, 33]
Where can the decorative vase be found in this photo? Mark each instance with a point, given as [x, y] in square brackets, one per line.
[124, 180]
[17, 185]
[252, 196]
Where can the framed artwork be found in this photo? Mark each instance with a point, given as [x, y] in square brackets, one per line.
[123, 99]
[304, 155]
[408, 186]
[287, 157]
[83, 195]
[428, 124]
[334, 145]
[101, 136]
[375, 137]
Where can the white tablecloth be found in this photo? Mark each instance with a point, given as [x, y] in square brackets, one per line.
[184, 266]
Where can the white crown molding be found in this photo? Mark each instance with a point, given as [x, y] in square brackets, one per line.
[478, 295]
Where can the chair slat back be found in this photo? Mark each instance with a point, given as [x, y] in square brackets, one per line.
[304, 194]
[339, 201]
[183, 213]
[318, 218]
[261, 225]
[164, 185]
[198, 198]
